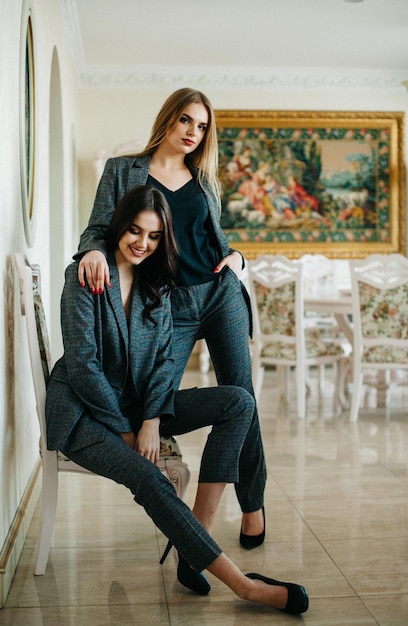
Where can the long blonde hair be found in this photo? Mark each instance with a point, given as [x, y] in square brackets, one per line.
[205, 156]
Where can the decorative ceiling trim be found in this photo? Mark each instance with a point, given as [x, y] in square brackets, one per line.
[216, 77]
[275, 79]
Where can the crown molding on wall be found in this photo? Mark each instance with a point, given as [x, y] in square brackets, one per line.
[275, 79]
[216, 77]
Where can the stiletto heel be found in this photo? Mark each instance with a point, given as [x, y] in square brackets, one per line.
[166, 552]
[195, 581]
[249, 542]
[298, 599]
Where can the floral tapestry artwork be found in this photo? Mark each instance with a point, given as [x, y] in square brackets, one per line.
[332, 183]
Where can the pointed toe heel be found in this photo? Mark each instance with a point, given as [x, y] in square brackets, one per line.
[195, 581]
[298, 599]
[186, 575]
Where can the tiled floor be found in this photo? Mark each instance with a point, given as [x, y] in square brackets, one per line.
[337, 521]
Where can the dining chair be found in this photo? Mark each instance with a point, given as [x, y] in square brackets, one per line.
[54, 462]
[320, 277]
[276, 290]
[379, 285]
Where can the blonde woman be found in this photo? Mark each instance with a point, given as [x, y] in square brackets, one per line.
[210, 302]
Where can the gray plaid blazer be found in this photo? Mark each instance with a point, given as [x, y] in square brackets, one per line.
[107, 359]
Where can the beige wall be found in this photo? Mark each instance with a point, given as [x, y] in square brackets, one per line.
[53, 75]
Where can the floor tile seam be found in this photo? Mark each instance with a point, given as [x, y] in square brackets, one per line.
[360, 540]
[402, 480]
[339, 569]
[285, 495]
[307, 525]
[334, 466]
[380, 500]
[159, 535]
[91, 507]
[369, 610]
[369, 498]
[301, 519]
[385, 594]
[341, 497]
[325, 550]
[76, 605]
[375, 595]
[95, 548]
[383, 464]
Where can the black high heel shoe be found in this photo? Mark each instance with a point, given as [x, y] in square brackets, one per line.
[298, 599]
[195, 581]
[249, 542]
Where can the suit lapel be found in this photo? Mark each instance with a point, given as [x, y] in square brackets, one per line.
[133, 334]
[141, 339]
[115, 298]
[138, 172]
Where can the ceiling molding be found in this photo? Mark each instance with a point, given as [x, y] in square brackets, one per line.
[216, 77]
[273, 79]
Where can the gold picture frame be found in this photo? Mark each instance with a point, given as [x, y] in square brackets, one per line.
[328, 182]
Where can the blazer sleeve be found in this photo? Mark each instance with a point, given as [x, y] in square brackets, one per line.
[106, 199]
[83, 364]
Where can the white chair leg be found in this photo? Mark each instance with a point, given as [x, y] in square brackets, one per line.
[357, 383]
[286, 371]
[341, 383]
[258, 376]
[49, 499]
[301, 391]
[322, 372]
[280, 381]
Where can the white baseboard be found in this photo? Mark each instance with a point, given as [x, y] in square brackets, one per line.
[14, 542]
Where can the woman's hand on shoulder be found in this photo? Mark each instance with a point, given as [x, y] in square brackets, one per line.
[95, 269]
[148, 440]
[233, 260]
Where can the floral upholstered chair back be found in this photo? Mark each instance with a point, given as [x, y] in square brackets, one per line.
[380, 316]
[276, 307]
[380, 295]
[275, 283]
[276, 290]
[280, 326]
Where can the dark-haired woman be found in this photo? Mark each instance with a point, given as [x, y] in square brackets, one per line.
[110, 396]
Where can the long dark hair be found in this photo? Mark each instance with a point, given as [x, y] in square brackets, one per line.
[158, 272]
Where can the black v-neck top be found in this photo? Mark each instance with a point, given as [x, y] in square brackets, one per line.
[193, 231]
